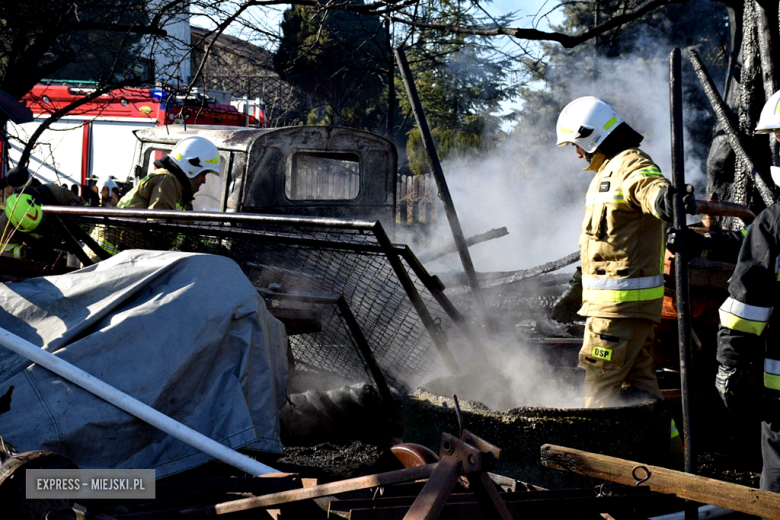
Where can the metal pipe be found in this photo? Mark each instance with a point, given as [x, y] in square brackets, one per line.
[436, 288]
[681, 262]
[70, 243]
[131, 405]
[725, 209]
[365, 350]
[438, 336]
[212, 216]
[441, 183]
[721, 111]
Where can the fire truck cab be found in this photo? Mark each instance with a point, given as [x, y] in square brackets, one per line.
[300, 170]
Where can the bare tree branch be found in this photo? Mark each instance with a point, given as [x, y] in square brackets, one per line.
[567, 40]
[115, 27]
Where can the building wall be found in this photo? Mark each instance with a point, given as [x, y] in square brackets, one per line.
[172, 67]
[246, 70]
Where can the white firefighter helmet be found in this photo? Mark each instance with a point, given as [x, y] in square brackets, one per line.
[196, 155]
[770, 115]
[774, 171]
[586, 122]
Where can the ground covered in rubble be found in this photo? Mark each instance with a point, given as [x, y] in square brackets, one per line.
[730, 469]
[328, 461]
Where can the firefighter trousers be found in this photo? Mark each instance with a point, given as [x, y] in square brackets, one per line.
[770, 445]
[616, 351]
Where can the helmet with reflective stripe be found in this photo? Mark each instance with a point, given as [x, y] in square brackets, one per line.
[586, 122]
[770, 115]
[23, 212]
[196, 155]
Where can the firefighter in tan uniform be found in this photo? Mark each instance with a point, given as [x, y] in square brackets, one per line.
[179, 175]
[621, 246]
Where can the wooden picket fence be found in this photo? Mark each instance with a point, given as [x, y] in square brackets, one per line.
[416, 197]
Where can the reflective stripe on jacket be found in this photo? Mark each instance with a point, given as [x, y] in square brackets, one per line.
[747, 323]
[622, 240]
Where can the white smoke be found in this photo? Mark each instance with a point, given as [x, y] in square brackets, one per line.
[538, 192]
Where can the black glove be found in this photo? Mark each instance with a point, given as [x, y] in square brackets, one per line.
[727, 382]
[695, 244]
[664, 205]
[565, 309]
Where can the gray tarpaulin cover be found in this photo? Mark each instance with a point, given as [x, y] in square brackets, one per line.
[184, 333]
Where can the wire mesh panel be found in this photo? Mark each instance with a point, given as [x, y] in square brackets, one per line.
[308, 259]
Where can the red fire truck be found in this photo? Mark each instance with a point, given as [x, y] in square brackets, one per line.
[95, 141]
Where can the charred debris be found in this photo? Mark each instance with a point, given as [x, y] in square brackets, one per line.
[349, 410]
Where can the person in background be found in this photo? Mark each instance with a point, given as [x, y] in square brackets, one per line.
[115, 196]
[106, 185]
[749, 329]
[177, 178]
[90, 194]
[75, 189]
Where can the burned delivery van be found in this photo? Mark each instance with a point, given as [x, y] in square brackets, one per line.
[300, 170]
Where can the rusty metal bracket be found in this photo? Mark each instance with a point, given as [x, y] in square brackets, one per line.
[468, 456]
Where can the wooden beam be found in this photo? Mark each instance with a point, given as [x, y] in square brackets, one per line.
[692, 487]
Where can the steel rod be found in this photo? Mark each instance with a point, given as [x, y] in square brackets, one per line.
[213, 216]
[131, 405]
[83, 236]
[436, 288]
[323, 490]
[365, 350]
[441, 183]
[70, 243]
[681, 261]
[722, 113]
[438, 336]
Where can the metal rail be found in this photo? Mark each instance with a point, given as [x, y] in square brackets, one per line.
[383, 246]
[441, 183]
[437, 334]
[214, 216]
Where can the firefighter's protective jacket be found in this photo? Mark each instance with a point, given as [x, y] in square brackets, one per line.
[165, 188]
[161, 189]
[622, 239]
[744, 316]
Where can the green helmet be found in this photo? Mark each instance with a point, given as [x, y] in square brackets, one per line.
[23, 212]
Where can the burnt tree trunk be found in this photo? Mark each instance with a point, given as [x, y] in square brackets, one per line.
[750, 78]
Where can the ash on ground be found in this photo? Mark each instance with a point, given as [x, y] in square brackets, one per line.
[329, 462]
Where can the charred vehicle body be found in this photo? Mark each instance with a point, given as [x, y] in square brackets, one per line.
[304, 170]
